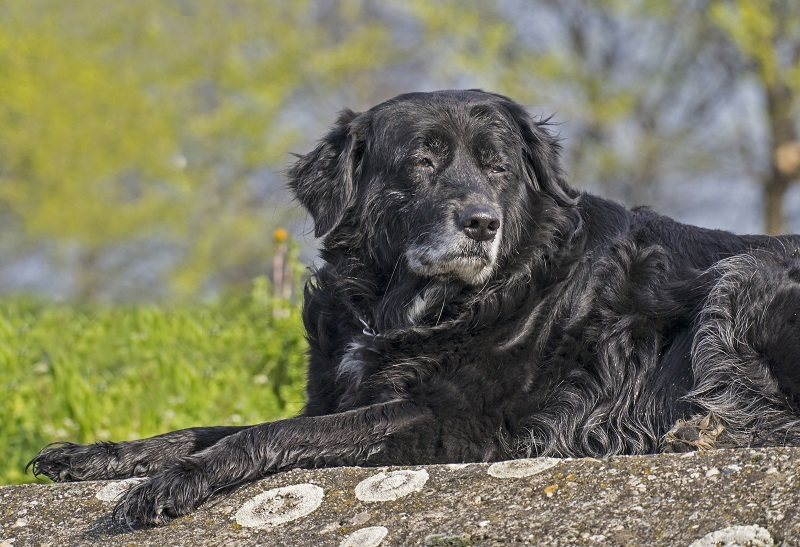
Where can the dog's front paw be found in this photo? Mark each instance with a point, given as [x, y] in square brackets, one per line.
[63, 462]
[167, 495]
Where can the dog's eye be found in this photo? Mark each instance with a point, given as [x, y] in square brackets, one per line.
[497, 169]
[423, 162]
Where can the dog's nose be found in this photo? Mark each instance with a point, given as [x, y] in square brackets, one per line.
[479, 222]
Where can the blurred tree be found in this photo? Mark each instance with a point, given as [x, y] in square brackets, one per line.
[133, 124]
[766, 34]
[78, 135]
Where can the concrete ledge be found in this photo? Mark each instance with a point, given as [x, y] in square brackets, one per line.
[728, 497]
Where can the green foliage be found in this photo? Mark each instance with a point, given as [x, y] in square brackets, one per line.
[766, 34]
[129, 123]
[754, 26]
[121, 373]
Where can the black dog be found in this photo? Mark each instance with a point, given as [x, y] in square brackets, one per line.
[474, 307]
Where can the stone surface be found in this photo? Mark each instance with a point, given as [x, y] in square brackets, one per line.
[726, 497]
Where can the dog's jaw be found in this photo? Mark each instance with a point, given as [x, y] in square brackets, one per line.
[455, 256]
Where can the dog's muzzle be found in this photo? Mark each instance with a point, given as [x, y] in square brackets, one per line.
[465, 246]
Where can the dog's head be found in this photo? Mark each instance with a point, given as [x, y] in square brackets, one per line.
[448, 182]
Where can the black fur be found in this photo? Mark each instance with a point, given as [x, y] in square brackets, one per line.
[474, 307]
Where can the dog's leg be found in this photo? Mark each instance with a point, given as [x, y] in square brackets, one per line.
[74, 462]
[782, 340]
[745, 353]
[370, 435]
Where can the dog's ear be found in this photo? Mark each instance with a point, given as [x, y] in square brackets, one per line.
[543, 157]
[324, 180]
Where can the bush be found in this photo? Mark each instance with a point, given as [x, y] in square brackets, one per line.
[122, 373]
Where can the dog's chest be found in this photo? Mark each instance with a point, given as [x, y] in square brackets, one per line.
[447, 366]
[352, 366]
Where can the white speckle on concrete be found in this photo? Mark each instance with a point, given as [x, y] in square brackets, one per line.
[280, 505]
[736, 536]
[516, 469]
[390, 486]
[365, 537]
[113, 490]
[360, 519]
[457, 466]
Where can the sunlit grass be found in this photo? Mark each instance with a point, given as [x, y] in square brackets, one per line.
[121, 373]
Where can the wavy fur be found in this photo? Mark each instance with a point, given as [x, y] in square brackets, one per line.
[551, 322]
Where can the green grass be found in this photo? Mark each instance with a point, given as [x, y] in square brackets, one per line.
[118, 373]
